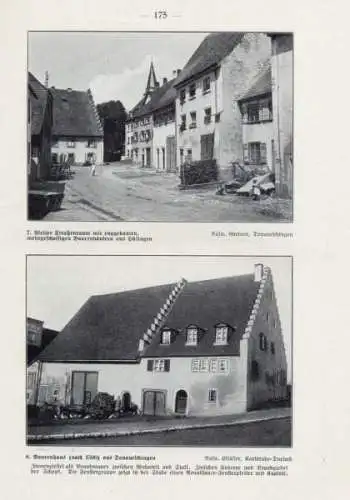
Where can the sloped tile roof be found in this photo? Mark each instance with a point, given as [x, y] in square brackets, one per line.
[74, 114]
[38, 103]
[261, 86]
[209, 54]
[206, 304]
[109, 327]
[161, 97]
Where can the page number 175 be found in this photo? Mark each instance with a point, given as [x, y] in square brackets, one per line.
[160, 14]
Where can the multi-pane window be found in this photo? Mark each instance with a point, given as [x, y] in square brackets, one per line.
[193, 116]
[212, 365]
[221, 335]
[212, 395]
[158, 365]
[207, 115]
[255, 153]
[192, 91]
[257, 111]
[70, 144]
[222, 365]
[182, 96]
[183, 123]
[166, 337]
[203, 365]
[192, 336]
[206, 84]
[91, 143]
[262, 342]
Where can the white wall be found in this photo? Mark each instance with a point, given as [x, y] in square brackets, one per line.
[160, 135]
[79, 150]
[118, 378]
[191, 138]
[260, 132]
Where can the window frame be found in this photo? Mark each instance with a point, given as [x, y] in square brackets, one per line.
[166, 334]
[192, 95]
[207, 116]
[192, 329]
[219, 341]
[206, 89]
[193, 118]
[212, 391]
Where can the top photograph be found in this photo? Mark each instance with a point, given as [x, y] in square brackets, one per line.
[160, 127]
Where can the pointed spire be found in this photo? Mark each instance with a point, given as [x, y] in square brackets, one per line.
[47, 79]
[152, 82]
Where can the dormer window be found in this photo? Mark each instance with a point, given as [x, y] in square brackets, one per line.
[192, 335]
[166, 337]
[221, 335]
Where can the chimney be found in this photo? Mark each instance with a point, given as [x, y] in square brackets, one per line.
[175, 73]
[178, 71]
[165, 80]
[258, 272]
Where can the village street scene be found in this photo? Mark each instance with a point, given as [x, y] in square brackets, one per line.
[160, 127]
[179, 351]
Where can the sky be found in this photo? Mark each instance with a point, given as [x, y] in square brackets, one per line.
[113, 65]
[57, 286]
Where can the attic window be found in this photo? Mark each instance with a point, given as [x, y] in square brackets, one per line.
[192, 335]
[166, 337]
[221, 335]
[192, 91]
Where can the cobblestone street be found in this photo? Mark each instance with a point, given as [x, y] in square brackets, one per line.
[122, 192]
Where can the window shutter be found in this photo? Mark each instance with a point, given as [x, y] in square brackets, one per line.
[263, 152]
[150, 365]
[167, 365]
[245, 153]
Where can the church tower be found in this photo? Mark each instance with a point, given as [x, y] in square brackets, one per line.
[152, 83]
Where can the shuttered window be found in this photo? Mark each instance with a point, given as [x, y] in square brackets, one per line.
[158, 365]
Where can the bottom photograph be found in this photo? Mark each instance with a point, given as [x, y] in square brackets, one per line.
[159, 351]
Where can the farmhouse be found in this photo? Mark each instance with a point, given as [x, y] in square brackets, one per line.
[189, 348]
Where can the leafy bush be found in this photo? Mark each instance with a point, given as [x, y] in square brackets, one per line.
[102, 406]
[198, 172]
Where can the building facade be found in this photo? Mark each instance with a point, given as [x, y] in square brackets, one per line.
[282, 97]
[203, 348]
[257, 123]
[219, 72]
[150, 128]
[40, 125]
[77, 131]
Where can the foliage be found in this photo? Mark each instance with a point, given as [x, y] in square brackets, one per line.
[102, 406]
[199, 172]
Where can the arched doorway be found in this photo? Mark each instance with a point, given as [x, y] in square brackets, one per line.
[181, 402]
[126, 401]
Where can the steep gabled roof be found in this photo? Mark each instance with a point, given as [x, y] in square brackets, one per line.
[160, 97]
[108, 327]
[261, 86]
[74, 114]
[209, 54]
[206, 304]
[39, 100]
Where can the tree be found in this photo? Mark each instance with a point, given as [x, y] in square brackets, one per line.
[113, 116]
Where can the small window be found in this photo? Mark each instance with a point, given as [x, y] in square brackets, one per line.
[272, 347]
[193, 116]
[206, 84]
[181, 156]
[203, 365]
[166, 337]
[221, 335]
[192, 336]
[189, 155]
[192, 91]
[223, 366]
[262, 342]
[212, 395]
[158, 365]
[91, 144]
[195, 365]
[70, 144]
[207, 116]
[182, 96]
[183, 123]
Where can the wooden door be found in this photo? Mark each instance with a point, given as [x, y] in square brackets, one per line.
[154, 403]
[171, 154]
[207, 147]
[181, 402]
